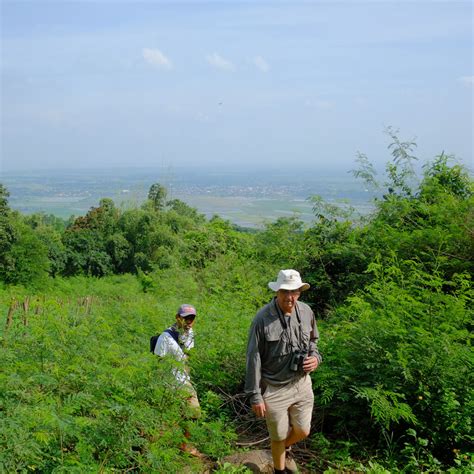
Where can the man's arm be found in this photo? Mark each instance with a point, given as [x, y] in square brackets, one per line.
[254, 366]
[167, 346]
[314, 358]
[313, 340]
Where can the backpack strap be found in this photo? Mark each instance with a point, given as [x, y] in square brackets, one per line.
[173, 333]
[154, 339]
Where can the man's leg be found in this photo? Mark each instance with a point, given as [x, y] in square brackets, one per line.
[288, 416]
[278, 454]
[296, 434]
[193, 412]
[277, 401]
[278, 447]
[301, 412]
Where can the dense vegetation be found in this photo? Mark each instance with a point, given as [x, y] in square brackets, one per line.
[392, 292]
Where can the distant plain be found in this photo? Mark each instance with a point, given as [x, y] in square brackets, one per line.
[248, 200]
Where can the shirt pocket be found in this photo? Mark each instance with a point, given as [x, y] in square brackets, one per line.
[305, 335]
[276, 340]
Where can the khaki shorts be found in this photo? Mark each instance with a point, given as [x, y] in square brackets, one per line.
[287, 406]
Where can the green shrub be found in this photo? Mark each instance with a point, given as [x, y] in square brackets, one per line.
[397, 358]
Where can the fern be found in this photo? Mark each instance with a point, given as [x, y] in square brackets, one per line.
[385, 405]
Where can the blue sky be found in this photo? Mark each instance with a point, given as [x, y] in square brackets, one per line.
[303, 85]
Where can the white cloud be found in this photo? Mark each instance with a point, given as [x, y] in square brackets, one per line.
[156, 58]
[469, 80]
[261, 64]
[219, 62]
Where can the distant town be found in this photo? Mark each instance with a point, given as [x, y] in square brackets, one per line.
[245, 200]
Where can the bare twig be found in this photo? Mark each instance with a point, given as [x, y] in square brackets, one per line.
[11, 310]
[253, 443]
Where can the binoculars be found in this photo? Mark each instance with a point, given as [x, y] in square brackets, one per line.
[297, 359]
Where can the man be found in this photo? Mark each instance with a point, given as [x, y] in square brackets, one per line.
[176, 342]
[281, 353]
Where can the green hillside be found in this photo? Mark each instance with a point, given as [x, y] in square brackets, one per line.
[79, 299]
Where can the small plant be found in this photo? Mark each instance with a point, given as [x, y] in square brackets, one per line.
[228, 468]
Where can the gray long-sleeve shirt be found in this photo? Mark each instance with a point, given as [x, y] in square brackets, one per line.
[270, 347]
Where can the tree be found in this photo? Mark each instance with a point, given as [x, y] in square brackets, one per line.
[7, 230]
[334, 263]
[183, 209]
[157, 196]
[102, 219]
[86, 253]
[4, 194]
[136, 226]
[400, 171]
[119, 250]
[281, 242]
[51, 238]
[23, 257]
[25, 261]
[439, 177]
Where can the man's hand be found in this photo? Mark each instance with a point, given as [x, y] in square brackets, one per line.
[259, 410]
[310, 363]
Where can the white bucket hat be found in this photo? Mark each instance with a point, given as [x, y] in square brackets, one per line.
[288, 280]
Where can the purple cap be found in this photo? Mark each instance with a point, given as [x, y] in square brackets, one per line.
[186, 310]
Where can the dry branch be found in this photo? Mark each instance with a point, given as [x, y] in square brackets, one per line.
[11, 310]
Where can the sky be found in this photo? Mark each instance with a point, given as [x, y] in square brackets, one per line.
[302, 86]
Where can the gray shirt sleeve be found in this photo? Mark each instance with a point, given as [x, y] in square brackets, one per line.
[254, 365]
[313, 342]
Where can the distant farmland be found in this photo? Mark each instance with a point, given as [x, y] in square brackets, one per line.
[246, 201]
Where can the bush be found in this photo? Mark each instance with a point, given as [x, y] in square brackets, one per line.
[397, 359]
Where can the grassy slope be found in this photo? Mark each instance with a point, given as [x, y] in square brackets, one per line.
[80, 389]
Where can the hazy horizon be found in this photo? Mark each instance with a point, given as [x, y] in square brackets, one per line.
[247, 200]
[324, 170]
[109, 84]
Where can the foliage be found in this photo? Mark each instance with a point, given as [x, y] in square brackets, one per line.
[86, 253]
[400, 171]
[23, 256]
[430, 222]
[281, 242]
[80, 392]
[4, 195]
[435, 225]
[402, 346]
[365, 171]
[335, 262]
[157, 196]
